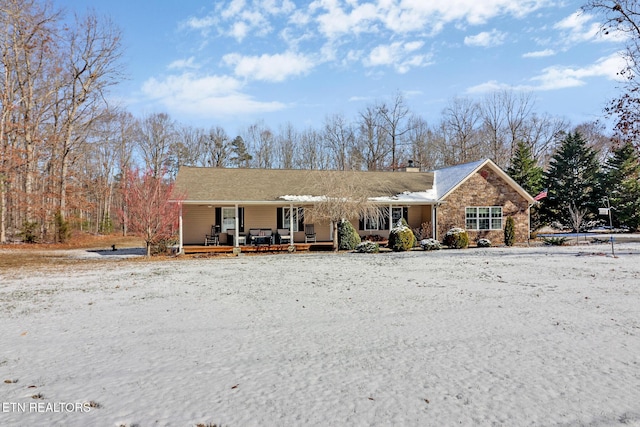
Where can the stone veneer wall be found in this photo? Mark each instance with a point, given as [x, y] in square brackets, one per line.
[484, 188]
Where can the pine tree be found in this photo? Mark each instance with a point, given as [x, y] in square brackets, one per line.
[240, 157]
[572, 181]
[524, 169]
[621, 182]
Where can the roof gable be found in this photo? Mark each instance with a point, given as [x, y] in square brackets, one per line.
[448, 179]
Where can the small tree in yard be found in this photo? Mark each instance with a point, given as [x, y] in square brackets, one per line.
[509, 231]
[348, 237]
[342, 195]
[149, 213]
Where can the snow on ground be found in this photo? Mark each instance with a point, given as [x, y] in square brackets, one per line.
[540, 336]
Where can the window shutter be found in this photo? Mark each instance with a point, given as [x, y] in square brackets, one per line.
[219, 218]
[279, 218]
[405, 213]
[300, 219]
[361, 223]
[241, 219]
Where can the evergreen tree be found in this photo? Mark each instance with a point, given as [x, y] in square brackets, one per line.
[621, 182]
[524, 169]
[240, 157]
[572, 181]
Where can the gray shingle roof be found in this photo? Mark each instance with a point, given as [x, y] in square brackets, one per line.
[447, 179]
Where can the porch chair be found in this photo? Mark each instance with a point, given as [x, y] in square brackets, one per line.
[284, 236]
[242, 238]
[214, 237]
[309, 233]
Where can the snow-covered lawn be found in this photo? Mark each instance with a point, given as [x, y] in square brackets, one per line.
[540, 336]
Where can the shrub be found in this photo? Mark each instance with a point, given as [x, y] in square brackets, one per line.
[348, 237]
[423, 232]
[484, 243]
[509, 231]
[401, 237]
[29, 232]
[456, 238]
[163, 246]
[368, 247]
[62, 228]
[430, 245]
[554, 241]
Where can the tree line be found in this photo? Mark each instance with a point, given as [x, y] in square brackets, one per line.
[65, 150]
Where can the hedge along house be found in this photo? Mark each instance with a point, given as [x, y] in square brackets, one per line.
[477, 196]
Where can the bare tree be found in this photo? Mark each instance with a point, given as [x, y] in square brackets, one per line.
[218, 147]
[494, 125]
[156, 134]
[344, 196]
[460, 123]
[190, 147]
[287, 145]
[28, 39]
[623, 17]
[310, 154]
[261, 144]
[90, 63]
[372, 138]
[340, 139]
[424, 151]
[396, 124]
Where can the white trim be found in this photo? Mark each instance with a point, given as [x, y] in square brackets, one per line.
[180, 235]
[236, 231]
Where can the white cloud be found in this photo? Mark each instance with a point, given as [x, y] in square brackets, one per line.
[234, 9]
[399, 55]
[488, 87]
[558, 77]
[272, 68]
[486, 39]
[539, 53]
[336, 21]
[578, 27]
[561, 77]
[204, 96]
[411, 15]
[183, 63]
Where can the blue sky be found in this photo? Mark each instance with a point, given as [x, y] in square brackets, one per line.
[231, 63]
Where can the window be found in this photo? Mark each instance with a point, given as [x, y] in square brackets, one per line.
[297, 216]
[484, 218]
[370, 224]
[228, 219]
[396, 214]
[284, 218]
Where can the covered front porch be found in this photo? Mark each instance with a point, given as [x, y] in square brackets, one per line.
[225, 228]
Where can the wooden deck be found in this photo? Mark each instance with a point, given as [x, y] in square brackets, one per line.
[225, 249]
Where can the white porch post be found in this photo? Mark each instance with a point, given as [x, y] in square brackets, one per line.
[180, 235]
[391, 224]
[291, 222]
[434, 221]
[236, 230]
